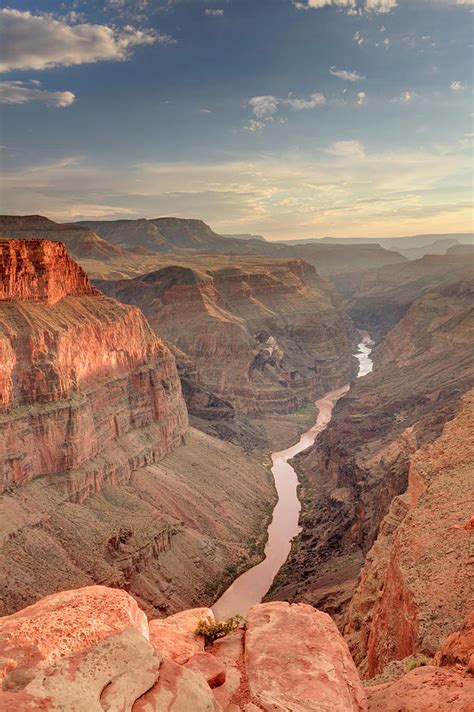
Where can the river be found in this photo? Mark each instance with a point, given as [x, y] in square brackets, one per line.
[251, 586]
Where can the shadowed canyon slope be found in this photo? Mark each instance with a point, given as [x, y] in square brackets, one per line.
[98, 483]
[253, 335]
[377, 299]
[360, 462]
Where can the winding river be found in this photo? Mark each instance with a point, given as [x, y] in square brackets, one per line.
[251, 586]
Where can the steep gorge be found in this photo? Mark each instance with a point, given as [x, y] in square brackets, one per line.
[360, 463]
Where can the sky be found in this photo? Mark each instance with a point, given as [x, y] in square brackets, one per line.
[286, 118]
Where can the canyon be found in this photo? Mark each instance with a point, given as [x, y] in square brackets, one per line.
[137, 417]
[360, 463]
[251, 337]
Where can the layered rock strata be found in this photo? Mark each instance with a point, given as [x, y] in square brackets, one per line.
[262, 337]
[95, 487]
[361, 461]
[417, 581]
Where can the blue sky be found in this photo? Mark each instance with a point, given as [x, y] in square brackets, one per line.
[280, 117]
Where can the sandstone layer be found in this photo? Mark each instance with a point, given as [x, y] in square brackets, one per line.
[418, 578]
[91, 405]
[257, 337]
[360, 463]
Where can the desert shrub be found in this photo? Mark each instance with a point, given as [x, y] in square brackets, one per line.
[211, 629]
[416, 663]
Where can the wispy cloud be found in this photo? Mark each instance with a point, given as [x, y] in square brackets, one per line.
[17, 92]
[456, 85]
[214, 12]
[39, 42]
[346, 75]
[265, 107]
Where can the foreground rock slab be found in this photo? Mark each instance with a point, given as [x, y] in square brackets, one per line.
[426, 689]
[81, 650]
[297, 661]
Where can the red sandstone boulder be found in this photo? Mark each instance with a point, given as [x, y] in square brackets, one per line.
[81, 650]
[178, 689]
[426, 689]
[297, 661]
[209, 667]
[458, 648]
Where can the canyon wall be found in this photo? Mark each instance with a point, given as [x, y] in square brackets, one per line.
[416, 583]
[360, 463]
[102, 480]
[264, 337]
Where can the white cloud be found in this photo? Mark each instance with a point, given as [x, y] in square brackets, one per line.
[264, 106]
[361, 98]
[346, 74]
[358, 38]
[25, 92]
[456, 85]
[39, 42]
[214, 12]
[311, 102]
[317, 4]
[346, 149]
[380, 6]
[352, 6]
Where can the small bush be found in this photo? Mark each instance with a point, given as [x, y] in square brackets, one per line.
[211, 629]
[416, 663]
[231, 570]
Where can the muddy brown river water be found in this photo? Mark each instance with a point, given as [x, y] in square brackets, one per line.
[251, 586]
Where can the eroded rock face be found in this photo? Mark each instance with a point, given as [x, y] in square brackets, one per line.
[415, 586]
[82, 373]
[361, 461]
[85, 650]
[40, 271]
[297, 660]
[426, 689]
[262, 337]
[88, 650]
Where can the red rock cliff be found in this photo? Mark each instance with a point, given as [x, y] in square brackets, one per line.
[415, 587]
[40, 271]
[79, 373]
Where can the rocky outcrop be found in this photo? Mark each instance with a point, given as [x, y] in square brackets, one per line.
[84, 373]
[361, 461]
[93, 649]
[96, 489]
[40, 271]
[425, 689]
[416, 585]
[262, 337]
[296, 660]
[81, 242]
